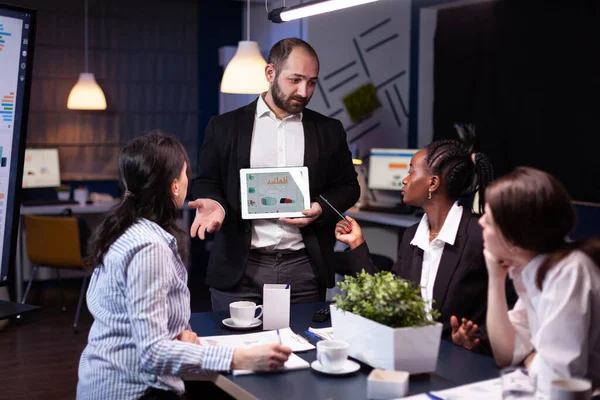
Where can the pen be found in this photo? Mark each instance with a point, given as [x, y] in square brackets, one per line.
[309, 333]
[433, 396]
[332, 207]
[279, 337]
[287, 286]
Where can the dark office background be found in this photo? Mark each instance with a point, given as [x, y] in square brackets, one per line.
[526, 73]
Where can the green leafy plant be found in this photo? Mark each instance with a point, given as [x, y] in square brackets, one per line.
[386, 299]
[362, 102]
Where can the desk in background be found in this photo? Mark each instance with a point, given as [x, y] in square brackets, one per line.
[456, 366]
[385, 219]
[96, 208]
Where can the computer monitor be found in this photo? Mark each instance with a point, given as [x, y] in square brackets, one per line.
[17, 26]
[387, 168]
[41, 168]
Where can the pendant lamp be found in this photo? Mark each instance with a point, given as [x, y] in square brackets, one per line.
[245, 73]
[86, 94]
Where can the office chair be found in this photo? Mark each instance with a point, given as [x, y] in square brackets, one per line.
[58, 243]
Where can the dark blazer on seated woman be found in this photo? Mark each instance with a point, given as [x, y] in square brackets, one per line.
[461, 282]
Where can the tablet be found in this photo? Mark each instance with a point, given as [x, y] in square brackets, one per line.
[274, 192]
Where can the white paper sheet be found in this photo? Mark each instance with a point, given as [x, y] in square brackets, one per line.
[288, 338]
[322, 333]
[294, 362]
[490, 390]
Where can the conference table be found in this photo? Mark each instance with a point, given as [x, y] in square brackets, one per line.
[456, 366]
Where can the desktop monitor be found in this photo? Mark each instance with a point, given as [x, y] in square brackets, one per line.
[41, 168]
[387, 168]
[17, 26]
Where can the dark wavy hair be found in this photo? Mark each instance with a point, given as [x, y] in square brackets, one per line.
[533, 210]
[451, 161]
[148, 165]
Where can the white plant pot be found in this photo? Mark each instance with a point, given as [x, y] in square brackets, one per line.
[414, 350]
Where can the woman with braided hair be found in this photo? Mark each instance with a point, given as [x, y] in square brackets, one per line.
[443, 254]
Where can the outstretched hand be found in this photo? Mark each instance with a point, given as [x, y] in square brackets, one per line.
[209, 217]
[463, 334]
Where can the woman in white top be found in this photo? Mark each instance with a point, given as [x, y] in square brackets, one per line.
[557, 317]
[140, 342]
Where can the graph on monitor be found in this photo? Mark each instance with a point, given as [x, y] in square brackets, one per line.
[16, 64]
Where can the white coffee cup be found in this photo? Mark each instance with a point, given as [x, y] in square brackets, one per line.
[242, 312]
[571, 389]
[332, 354]
[80, 195]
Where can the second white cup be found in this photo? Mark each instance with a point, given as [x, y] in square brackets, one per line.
[571, 389]
[332, 354]
[243, 312]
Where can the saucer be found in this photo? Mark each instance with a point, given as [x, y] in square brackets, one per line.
[228, 322]
[349, 367]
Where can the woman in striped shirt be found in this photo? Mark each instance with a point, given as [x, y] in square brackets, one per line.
[140, 341]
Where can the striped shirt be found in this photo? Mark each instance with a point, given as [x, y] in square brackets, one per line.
[140, 302]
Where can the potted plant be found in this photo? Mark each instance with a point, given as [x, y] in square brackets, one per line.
[63, 192]
[387, 323]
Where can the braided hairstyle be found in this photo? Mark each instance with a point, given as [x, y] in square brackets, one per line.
[460, 175]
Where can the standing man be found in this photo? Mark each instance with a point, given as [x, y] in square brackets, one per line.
[276, 130]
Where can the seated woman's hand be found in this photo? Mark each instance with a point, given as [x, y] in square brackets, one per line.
[463, 334]
[267, 357]
[348, 232]
[497, 269]
[188, 336]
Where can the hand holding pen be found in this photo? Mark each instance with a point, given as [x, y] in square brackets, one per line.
[348, 232]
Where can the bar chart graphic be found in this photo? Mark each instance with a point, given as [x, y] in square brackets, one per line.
[278, 181]
[7, 107]
[3, 160]
[3, 36]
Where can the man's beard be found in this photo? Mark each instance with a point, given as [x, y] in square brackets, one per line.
[287, 104]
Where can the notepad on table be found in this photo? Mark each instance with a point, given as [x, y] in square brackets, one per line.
[288, 338]
[294, 362]
[489, 389]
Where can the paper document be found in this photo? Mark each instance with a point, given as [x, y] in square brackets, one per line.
[489, 390]
[322, 333]
[294, 362]
[288, 338]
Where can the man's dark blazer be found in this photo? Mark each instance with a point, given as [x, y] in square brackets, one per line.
[461, 282]
[226, 149]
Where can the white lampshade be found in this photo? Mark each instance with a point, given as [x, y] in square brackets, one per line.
[245, 73]
[86, 94]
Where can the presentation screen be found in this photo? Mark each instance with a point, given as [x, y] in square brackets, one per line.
[16, 62]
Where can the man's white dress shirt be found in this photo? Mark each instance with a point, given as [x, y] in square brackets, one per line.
[276, 143]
